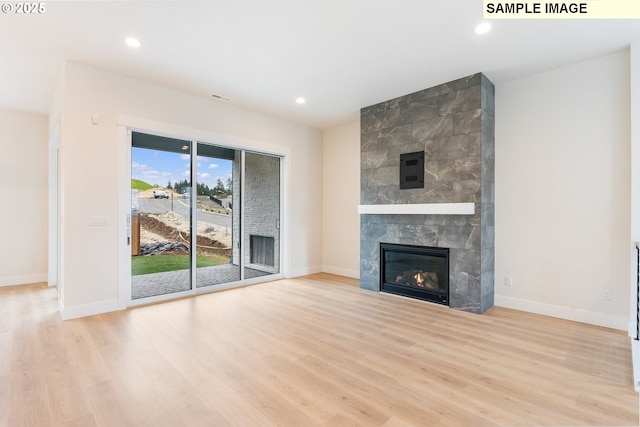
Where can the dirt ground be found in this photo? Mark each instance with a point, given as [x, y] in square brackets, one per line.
[203, 202]
[169, 226]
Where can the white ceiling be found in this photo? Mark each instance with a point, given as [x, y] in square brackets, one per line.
[341, 55]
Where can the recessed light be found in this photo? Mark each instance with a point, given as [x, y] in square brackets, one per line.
[483, 28]
[132, 42]
[300, 100]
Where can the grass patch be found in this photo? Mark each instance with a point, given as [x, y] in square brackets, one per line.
[136, 184]
[159, 263]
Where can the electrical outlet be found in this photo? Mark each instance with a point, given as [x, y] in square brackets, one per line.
[508, 281]
[606, 294]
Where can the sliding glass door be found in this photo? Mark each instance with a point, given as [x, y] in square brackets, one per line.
[160, 216]
[261, 217]
[216, 206]
[239, 222]
[202, 216]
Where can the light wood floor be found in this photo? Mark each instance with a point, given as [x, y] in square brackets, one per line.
[313, 351]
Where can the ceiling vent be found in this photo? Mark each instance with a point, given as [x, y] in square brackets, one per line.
[220, 97]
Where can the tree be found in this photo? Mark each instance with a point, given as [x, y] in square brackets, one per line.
[229, 188]
[169, 185]
[181, 186]
[219, 188]
[203, 189]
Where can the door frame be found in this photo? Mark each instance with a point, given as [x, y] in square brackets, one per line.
[127, 124]
[53, 269]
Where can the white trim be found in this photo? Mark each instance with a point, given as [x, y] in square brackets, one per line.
[238, 284]
[419, 209]
[634, 113]
[161, 298]
[242, 217]
[286, 240]
[635, 357]
[284, 217]
[339, 271]
[76, 311]
[154, 127]
[193, 210]
[23, 280]
[299, 272]
[568, 313]
[53, 248]
[204, 290]
[124, 217]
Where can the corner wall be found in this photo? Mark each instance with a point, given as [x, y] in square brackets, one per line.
[340, 195]
[23, 173]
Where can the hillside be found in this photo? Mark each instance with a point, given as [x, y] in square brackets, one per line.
[136, 184]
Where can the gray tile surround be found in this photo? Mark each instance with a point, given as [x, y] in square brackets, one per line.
[453, 124]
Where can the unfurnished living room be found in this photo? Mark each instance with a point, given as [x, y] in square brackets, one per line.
[320, 213]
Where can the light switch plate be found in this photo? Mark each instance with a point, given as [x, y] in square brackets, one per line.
[98, 221]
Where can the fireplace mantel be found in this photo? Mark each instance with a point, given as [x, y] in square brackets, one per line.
[419, 209]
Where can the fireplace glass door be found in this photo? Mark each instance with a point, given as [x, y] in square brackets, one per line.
[415, 271]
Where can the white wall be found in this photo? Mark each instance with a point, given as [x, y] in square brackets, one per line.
[89, 174]
[23, 173]
[635, 172]
[563, 191]
[341, 196]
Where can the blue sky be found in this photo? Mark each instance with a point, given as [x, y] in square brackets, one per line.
[159, 167]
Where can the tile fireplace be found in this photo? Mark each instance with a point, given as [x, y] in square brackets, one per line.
[453, 125]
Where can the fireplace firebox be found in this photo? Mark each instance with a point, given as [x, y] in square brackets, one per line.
[415, 271]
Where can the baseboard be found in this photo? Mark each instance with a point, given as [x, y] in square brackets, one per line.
[635, 351]
[568, 313]
[346, 272]
[75, 311]
[23, 280]
[304, 271]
